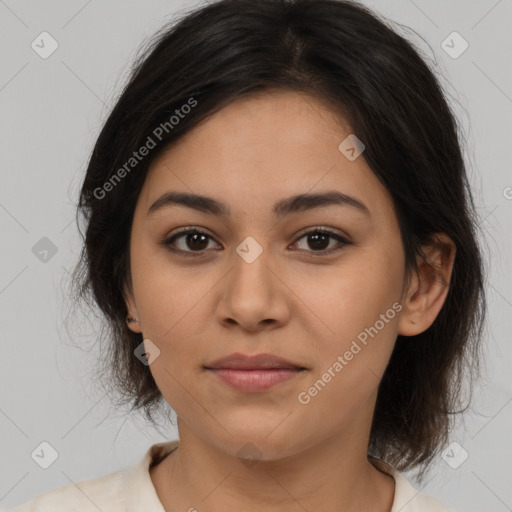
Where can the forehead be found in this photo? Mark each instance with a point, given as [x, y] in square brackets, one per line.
[260, 149]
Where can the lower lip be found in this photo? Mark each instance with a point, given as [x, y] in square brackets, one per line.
[254, 380]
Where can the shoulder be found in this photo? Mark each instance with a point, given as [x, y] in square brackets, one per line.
[407, 498]
[423, 503]
[104, 493]
[128, 490]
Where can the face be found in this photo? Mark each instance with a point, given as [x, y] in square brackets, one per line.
[318, 285]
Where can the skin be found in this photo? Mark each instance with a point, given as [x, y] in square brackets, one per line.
[307, 309]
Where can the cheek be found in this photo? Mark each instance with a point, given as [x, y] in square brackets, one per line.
[350, 368]
[346, 299]
[169, 297]
[359, 310]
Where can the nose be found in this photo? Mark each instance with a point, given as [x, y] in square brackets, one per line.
[254, 296]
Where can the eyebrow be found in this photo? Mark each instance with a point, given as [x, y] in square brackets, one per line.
[282, 208]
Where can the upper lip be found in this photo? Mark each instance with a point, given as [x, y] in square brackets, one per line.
[257, 362]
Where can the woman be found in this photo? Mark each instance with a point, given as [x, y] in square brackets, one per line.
[281, 237]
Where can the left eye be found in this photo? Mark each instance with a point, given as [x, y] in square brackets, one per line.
[317, 238]
[197, 241]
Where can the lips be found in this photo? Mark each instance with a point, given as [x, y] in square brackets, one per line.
[239, 361]
[253, 374]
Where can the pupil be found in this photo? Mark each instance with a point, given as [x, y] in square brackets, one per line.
[196, 237]
[315, 239]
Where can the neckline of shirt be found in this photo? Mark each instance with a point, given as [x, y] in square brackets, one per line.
[140, 492]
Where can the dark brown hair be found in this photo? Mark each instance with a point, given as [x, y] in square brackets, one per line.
[342, 53]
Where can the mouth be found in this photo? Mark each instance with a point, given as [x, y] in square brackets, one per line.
[254, 373]
[239, 361]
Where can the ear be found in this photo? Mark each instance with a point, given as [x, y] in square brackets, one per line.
[131, 307]
[428, 289]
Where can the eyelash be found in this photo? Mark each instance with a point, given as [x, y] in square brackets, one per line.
[325, 252]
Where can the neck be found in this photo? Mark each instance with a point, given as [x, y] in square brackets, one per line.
[334, 475]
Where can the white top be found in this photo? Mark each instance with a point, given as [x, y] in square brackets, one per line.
[132, 490]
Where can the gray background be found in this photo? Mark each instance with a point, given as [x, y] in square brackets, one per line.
[51, 113]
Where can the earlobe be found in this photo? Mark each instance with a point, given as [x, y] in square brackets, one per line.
[429, 286]
[132, 318]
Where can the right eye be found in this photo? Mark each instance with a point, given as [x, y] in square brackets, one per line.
[192, 239]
